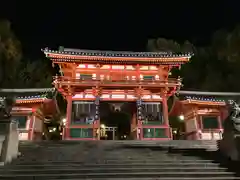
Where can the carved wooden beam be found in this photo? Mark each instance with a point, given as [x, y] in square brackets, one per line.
[139, 92]
[97, 91]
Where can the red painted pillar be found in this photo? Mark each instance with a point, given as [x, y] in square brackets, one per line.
[68, 118]
[165, 115]
[141, 131]
[30, 127]
[199, 127]
[220, 122]
[133, 126]
[224, 113]
[31, 124]
[139, 128]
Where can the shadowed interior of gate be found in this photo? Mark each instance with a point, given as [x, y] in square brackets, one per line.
[117, 115]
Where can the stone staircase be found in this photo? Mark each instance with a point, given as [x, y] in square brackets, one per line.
[211, 145]
[116, 160]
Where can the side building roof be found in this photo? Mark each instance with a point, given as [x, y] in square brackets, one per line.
[200, 98]
[116, 57]
[27, 95]
[208, 97]
[203, 100]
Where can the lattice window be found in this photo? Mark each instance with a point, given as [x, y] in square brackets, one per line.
[118, 67]
[210, 122]
[102, 77]
[83, 112]
[91, 66]
[22, 121]
[81, 133]
[81, 66]
[94, 76]
[130, 68]
[106, 67]
[152, 113]
[153, 68]
[86, 76]
[144, 67]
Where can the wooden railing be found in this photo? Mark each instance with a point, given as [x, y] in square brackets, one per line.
[67, 80]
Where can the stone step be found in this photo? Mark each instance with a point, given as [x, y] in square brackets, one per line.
[119, 175]
[107, 161]
[115, 161]
[142, 160]
[156, 158]
[167, 178]
[116, 143]
[118, 165]
[82, 170]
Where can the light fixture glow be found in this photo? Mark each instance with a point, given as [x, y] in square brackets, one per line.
[102, 126]
[181, 117]
[64, 120]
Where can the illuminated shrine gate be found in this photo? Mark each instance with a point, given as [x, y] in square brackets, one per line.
[88, 77]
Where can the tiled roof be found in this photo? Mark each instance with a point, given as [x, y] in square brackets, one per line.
[81, 52]
[116, 57]
[205, 98]
[208, 96]
[25, 94]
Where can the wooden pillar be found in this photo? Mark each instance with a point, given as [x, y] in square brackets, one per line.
[30, 127]
[138, 72]
[114, 133]
[68, 118]
[220, 126]
[98, 66]
[134, 118]
[134, 126]
[165, 114]
[199, 120]
[222, 116]
[165, 111]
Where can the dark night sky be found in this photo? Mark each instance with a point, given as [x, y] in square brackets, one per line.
[115, 26]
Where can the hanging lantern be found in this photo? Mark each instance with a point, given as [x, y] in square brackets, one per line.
[96, 117]
[97, 113]
[97, 102]
[139, 102]
[139, 109]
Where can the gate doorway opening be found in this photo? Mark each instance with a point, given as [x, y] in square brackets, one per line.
[117, 117]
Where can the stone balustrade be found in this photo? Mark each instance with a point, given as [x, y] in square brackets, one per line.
[9, 140]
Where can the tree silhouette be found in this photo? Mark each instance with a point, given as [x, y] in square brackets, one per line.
[15, 71]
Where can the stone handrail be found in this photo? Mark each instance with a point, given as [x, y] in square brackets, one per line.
[212, 132]
[230, 144]
[189, 135]
[9, 141]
